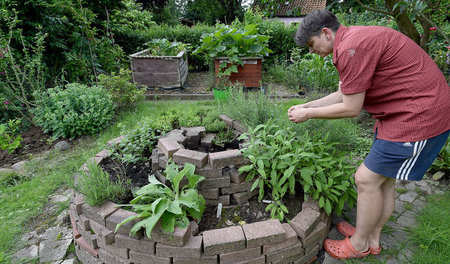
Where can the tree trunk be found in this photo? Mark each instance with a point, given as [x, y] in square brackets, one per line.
[404, 23]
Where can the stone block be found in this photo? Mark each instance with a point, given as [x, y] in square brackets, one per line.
[109, 258]
[317, 234]
[210, 193]
[240, 256]
[155, 159]
[142, 258]
[284, 254]
[236, 188]
[223, 240]
[239, 126]
[207, 140]
[291, 239]
[141, 245]
[192, 249]
[160, 177]
[263, 233]
[241, 198]
[199, 159]
[176, 135]
[214, 183]
[305, 222]
[162, 162]
[73, 222]
[194, 228]
[202, 260]
[85, 257]
[117, 217]
[119, 252]
[103, 154]
[78, 202]
[194, 131]
[311, 204]
[114, 142]
[225, 158]
[178, 238]
[99, 214]
[168, 147]
[260, 260]
[104, 235]
[236, 176]
[227, 120]
[209, 172]
[86, 247]
[308, 256]
[85, 223]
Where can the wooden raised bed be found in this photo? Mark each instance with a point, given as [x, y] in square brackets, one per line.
[250, 75]
[159, 71]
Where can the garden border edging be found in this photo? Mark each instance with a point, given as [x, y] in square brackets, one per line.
[267, 241]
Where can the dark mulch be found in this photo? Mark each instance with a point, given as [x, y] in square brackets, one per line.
[34, 141]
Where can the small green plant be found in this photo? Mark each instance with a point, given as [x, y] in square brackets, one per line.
[163, 47]
[171, 205]
[234, 43]
[223, 137]
[74, 111]
[10, 139]
[98, 188]
[401, 190]
[442, 162]
[279, 158]
[124, 93]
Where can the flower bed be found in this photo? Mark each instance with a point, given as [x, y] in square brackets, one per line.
[261, 242]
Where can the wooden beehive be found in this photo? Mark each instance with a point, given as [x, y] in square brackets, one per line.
[249, 75]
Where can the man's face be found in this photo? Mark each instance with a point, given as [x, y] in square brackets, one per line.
[321, 45]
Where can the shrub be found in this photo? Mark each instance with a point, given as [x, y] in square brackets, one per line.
[163, 47]
[10, 139]
[74, 111]
[98, 188]
[124, 93]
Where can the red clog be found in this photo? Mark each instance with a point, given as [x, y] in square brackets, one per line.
[348, 230]
[343, 249]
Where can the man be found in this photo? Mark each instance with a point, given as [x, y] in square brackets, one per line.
[386, 73]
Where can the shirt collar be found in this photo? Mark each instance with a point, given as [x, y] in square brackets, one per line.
[337, 40]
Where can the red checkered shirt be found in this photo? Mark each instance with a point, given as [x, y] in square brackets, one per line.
[405, 90]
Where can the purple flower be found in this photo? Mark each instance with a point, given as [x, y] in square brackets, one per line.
[6, 102]
[2, 73]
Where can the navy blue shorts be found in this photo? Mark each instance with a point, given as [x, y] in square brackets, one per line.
[404, 160]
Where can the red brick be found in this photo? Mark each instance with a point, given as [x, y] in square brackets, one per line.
[291, 239]
[223, 240]
[117, 217]
[192, 249]
[202, 260]
[178, 238]
[109, 258]
[226, 158]
[305, 222]
[141, 245]
[100, 214]
[142, 258]
[263, 233]
[85, 246]
[239, 256]
[285, 253]
[199, 159]
[168, 146]
[209, 172]
[214, 183]
[73, 222]
[236, 188]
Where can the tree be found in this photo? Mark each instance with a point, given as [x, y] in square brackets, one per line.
[211, 11]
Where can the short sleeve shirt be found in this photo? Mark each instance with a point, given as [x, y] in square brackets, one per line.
[405, 90]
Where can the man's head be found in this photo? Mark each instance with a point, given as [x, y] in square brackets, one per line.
[317, 31]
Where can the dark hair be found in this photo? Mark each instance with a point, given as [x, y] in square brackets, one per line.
[312, 25]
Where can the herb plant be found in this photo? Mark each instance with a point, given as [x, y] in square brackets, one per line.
[279, 159]
[234, 43]
[124, 93]
[169, 204]
[10, 139]
[163, 47]
[74, 111]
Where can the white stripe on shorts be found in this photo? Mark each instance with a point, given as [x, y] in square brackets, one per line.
[408, 164]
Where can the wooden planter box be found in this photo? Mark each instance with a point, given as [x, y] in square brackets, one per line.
[159, 71]
[249, 75]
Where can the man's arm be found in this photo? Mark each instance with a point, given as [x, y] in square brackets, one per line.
[350, 106]
[330, 99]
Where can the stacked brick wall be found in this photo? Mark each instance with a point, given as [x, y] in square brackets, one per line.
[262, 242]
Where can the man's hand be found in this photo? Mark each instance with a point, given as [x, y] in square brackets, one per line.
[298, 114]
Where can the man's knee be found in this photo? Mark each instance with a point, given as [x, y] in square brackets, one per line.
[366, 179]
